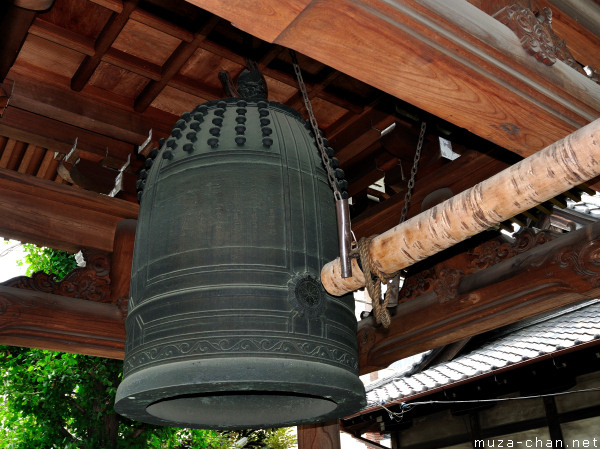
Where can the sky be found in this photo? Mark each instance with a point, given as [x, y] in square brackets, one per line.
[10, 252]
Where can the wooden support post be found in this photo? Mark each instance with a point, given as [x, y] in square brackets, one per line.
[319, 436]
[15, 19]
[122, 257]
[559, 167]
[554, 428]
[42, 320]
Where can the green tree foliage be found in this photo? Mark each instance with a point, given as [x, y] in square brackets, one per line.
[60, 400]
[48, 260]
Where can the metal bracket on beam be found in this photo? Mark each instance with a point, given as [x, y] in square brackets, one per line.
[6, 91]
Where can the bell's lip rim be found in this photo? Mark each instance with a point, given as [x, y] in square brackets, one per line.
[141, 389]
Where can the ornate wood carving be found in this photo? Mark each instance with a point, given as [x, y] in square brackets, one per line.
[444, 277]
[533, 26]
[91, 282]
[535, 274]
[83, 313]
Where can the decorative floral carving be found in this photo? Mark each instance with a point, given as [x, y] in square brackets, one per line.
[497, 250]
[307, 296]
[443, 279]
[533, 26]
[91, 282]
[583, 260]
[535, 37]
[445, 285]
[417, 285]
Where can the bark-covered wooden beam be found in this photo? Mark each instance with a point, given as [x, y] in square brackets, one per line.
[559, 167]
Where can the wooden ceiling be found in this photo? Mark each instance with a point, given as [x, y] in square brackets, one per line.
[84, 82]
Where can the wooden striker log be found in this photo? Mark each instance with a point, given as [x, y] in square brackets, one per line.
[547, 173]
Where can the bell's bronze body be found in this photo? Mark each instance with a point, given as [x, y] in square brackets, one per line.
[229, 326]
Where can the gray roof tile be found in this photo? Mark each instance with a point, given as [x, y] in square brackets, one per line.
[575, 327]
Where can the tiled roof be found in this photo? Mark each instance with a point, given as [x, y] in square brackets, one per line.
[578, 325]
[589, 205]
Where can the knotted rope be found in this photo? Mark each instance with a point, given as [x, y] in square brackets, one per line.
[373, 280]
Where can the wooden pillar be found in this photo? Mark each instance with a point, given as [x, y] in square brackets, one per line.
[59, 216]
[554, 428]
[15, 18]
[319, 436]
[122, 257]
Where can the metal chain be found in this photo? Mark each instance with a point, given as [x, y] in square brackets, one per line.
[413, 173]
[315, 127]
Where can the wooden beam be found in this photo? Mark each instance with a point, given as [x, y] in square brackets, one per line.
[79, 110]
[42, 320]
[173, 65]
[62, 217]
[265, 19]
[107, 37]
[319, 436]
[46, 132]
[462, 173]
[559, 167]
[448, 58]
[459, 304]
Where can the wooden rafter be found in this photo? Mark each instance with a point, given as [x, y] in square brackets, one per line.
[102, 45]
[173, 65]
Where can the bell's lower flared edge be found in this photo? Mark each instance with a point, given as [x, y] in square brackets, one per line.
[241, 392]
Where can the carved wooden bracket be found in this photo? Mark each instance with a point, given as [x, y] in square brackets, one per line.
[91, 282]
[491, 285]
[105, 278]
[533, 26]
[83, 313]
[444, 277]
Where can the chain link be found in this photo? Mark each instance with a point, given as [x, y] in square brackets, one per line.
[315, 127]
[413, 173]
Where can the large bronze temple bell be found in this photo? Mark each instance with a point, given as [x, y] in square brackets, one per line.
[229, 326]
